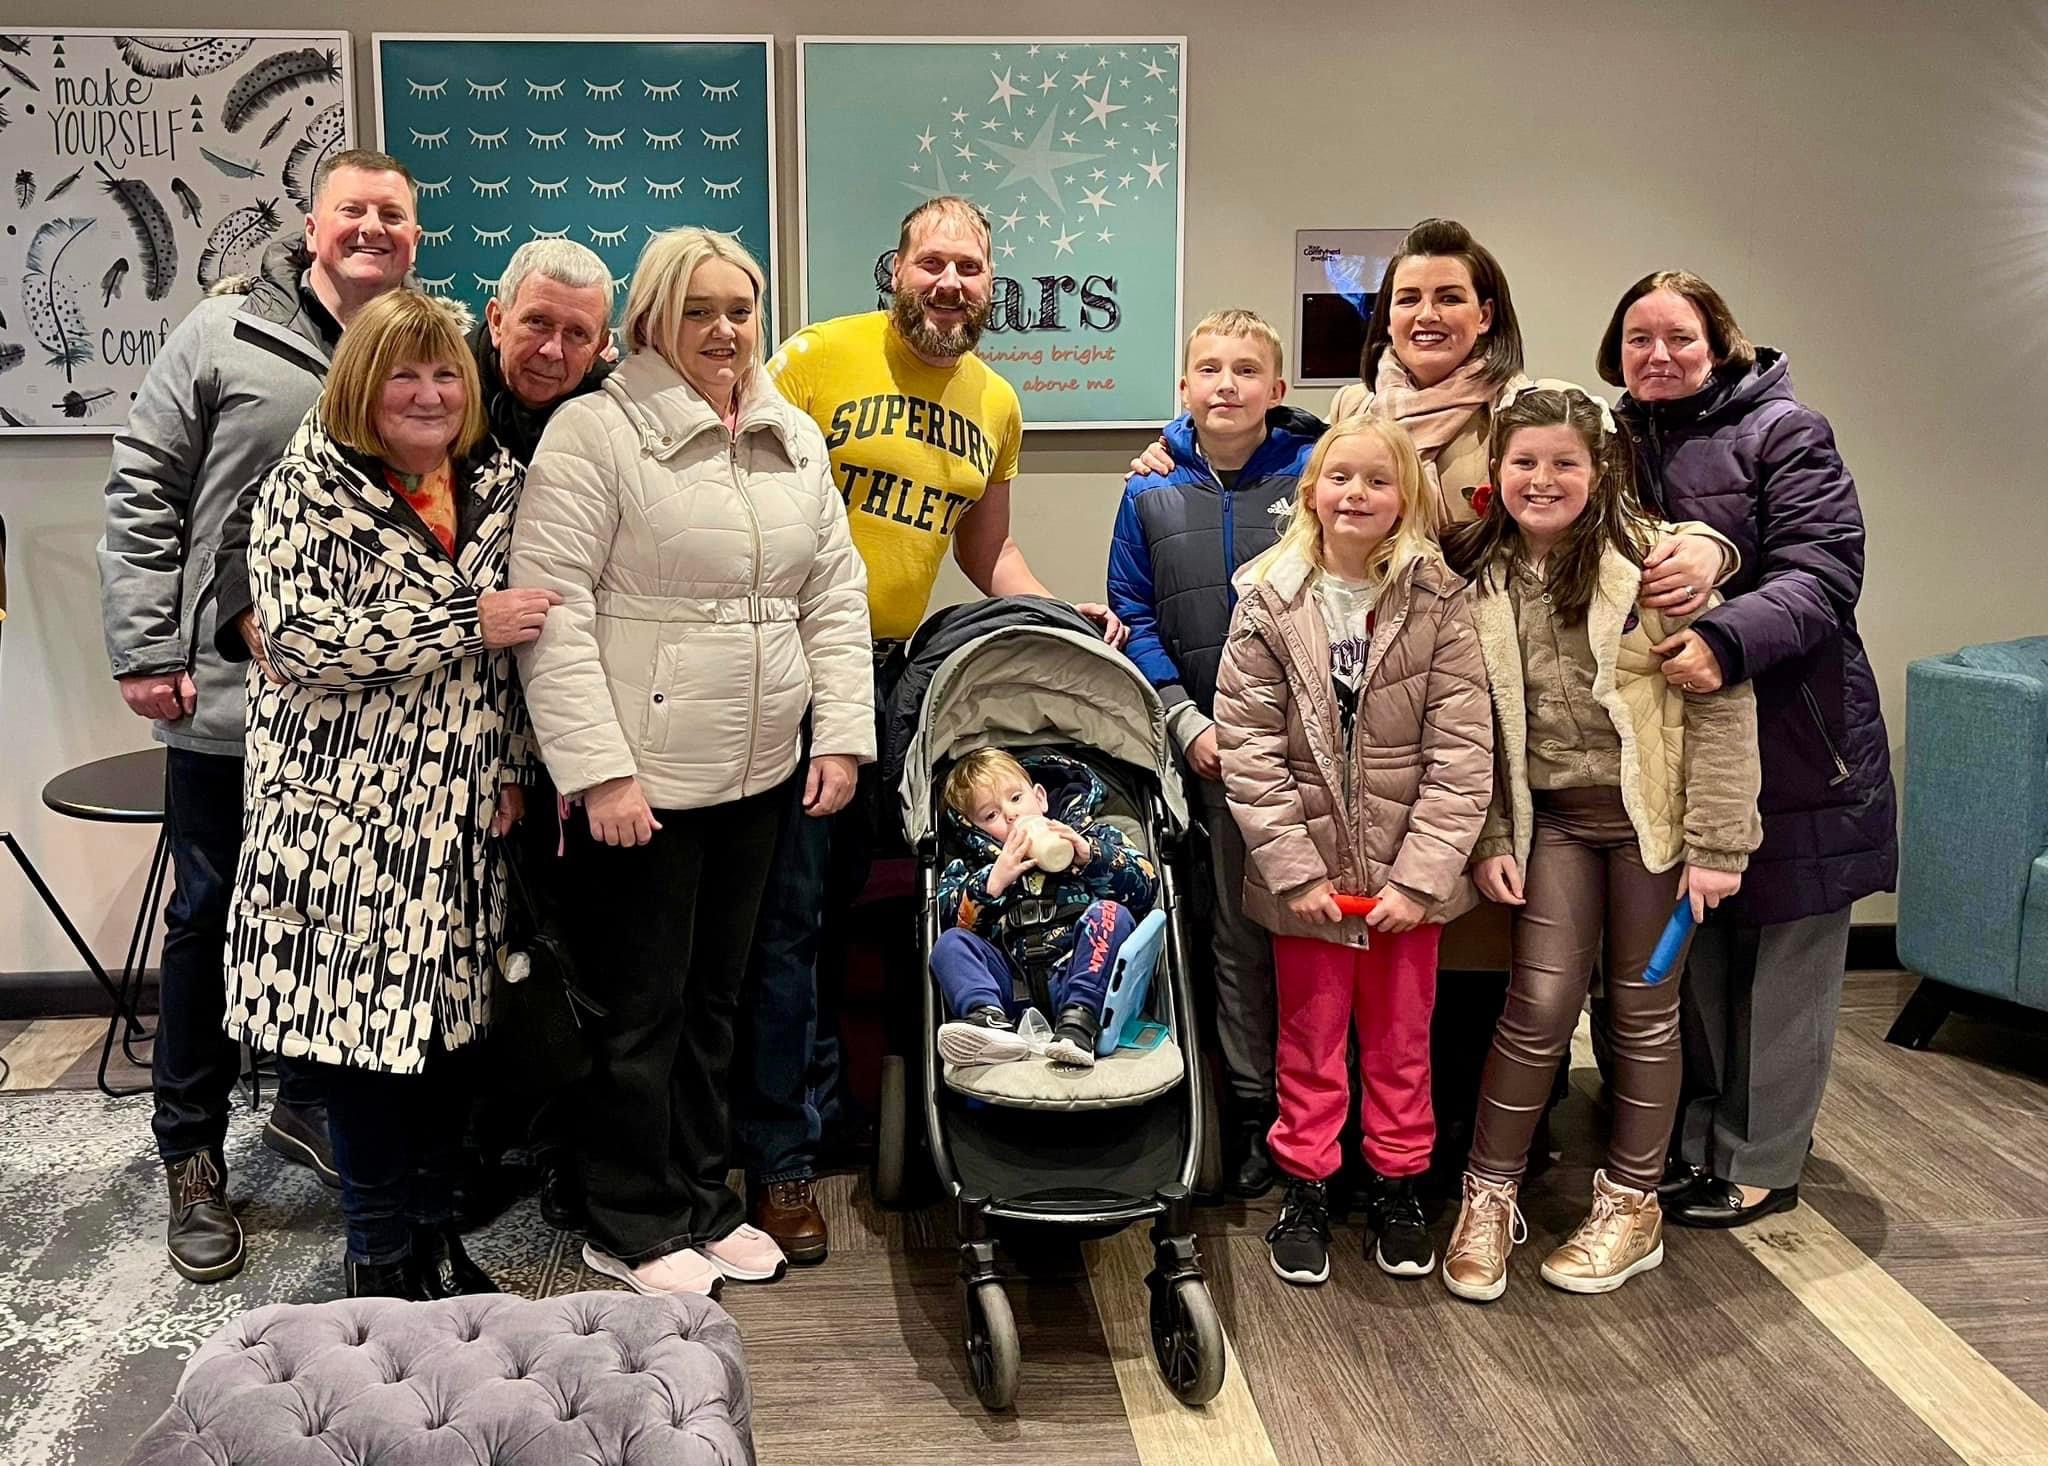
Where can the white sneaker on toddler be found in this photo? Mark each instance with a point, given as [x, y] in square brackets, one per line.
[985, 1036]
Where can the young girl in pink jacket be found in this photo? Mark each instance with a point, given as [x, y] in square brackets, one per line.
[1357, 746]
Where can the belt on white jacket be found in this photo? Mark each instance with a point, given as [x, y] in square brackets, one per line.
[711, 610]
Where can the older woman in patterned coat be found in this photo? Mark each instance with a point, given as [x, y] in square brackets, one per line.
[381, 764]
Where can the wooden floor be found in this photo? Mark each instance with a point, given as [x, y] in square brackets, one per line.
[1899, 1316]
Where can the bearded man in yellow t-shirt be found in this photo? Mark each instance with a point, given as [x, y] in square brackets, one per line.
[924, 440]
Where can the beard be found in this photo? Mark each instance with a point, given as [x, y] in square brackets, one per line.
[907, 311]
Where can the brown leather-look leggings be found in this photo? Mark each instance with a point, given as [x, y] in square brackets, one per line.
[1585, 881]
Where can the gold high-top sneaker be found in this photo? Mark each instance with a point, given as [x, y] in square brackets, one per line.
[1489, 1226]
[1623, 1235]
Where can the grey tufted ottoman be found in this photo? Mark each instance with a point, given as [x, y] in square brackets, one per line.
[592, 1379]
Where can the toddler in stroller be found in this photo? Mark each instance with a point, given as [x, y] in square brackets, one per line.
[1018, 931]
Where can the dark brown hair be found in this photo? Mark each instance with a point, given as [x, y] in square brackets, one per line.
[1501, 346]
[1612, 515]
[945, 206]
[1724, 338]
[367, 160]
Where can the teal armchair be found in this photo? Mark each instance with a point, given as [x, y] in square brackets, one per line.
[1973, 864]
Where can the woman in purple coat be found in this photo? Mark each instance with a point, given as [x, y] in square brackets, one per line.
[1721, 438]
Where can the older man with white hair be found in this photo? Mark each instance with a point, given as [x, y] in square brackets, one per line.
[543, 338]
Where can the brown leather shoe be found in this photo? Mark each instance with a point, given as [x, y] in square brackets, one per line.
[788, 1212]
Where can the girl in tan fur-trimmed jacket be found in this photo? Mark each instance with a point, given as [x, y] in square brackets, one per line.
[1357, 747]
[1607, 779]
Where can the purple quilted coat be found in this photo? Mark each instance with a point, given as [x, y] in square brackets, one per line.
[1743, 455]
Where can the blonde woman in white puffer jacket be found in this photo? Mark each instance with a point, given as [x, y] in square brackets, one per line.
[711, 594]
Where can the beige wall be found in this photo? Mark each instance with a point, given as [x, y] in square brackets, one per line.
[1867, 182]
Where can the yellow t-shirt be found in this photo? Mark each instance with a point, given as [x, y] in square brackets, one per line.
[913, 447]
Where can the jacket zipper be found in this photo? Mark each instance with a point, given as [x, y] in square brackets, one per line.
[1820, 726]
[753, 599]
[1317, 699]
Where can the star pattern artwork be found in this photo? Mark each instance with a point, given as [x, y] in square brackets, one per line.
[605, 142]
[1072, 149]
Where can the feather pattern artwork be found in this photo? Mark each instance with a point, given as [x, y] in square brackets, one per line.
[323, 136]
[187, 200]
[25, 187]
[110, 283]
[235, 239]
[232, 167]
[11, 353]
[276, 127]
[21, 76]
[4, 118]
[181, 55]
[79, 404]
[62, 187]
[156, 246]
[51, 297]
[274, 77]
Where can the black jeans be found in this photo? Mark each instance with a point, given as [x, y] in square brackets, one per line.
[194, 1063]
[396, 1140]
[789, 1069]
[661, 933]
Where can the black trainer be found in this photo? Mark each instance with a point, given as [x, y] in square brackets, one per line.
[205, 1236]
[1299, 1243]
[299, 1134]
[1394, 1213]
[1074, 1036]
[561, 1195]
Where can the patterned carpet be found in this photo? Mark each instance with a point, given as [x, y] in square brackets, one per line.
[95, 1327]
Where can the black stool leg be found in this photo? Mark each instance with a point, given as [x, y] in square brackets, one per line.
[133, 970]
[71, 932]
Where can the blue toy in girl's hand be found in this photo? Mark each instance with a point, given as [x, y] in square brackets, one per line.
[1124, 1004]
[1671, 943]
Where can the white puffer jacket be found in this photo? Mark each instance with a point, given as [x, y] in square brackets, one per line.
[710, 592]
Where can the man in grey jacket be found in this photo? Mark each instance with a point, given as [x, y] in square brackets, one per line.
[215, 413]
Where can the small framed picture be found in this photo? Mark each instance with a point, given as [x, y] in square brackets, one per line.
[1336, 275]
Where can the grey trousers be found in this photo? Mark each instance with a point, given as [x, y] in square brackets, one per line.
[1757, 1025]
[1242, 961]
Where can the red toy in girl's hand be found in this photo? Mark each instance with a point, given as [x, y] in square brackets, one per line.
[1355, 905]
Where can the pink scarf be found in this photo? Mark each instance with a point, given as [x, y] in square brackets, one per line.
[1435, 415]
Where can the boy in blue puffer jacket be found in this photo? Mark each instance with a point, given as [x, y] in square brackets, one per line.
[1008, 918]
[1180, 536]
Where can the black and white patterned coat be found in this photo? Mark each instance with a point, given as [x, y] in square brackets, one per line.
[369, 895]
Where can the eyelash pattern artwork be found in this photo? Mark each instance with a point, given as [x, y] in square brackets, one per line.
[512, 183]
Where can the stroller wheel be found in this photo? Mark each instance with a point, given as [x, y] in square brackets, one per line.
[992, 1351]
[891, 1120]
[1187, 1340]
